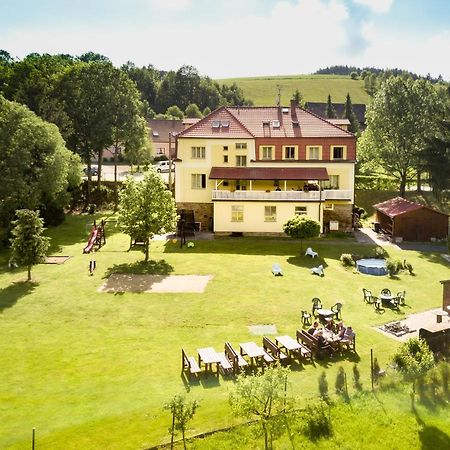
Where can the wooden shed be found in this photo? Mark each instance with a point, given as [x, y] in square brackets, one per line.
[410, 221]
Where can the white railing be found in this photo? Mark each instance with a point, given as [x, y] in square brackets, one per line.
[282, 195]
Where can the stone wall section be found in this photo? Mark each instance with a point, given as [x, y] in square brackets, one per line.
[341, 213]
[203, 213]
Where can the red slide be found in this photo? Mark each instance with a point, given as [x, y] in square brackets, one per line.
[91, 241]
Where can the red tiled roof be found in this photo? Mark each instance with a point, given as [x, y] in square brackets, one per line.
[160, 128]
[268, 173]
[204, 128]
[397, 206]
[254, 122]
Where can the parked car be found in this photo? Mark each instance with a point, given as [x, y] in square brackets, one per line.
[163, 166]
[94, 170]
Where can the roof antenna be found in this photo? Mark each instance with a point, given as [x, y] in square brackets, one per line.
[278, 95]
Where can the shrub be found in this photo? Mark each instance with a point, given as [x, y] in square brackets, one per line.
[379, 253]
[317, 422]
[394, 266]
[375, 182]
[360, 211]
[347, 260]
[323, 386]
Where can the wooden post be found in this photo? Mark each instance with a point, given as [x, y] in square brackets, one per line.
[33, 439]
[371, 366]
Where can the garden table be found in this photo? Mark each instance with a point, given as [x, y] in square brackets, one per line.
[208, 356]
[252, 350]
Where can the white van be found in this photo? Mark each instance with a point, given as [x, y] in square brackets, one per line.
[163, 166]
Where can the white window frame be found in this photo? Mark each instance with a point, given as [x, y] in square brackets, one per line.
[237, 213]
[198, 152]
[310, 148]
[198, 181]
[241, 159]
[344, 152]
[291, 147]
[270, 213]
[241, 145]
[267, 152]
[302, 212]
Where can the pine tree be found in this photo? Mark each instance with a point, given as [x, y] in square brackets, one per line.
[350, 115]
[330, 111]
[28, 245]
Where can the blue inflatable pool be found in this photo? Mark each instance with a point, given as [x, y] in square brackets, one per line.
[372, 266]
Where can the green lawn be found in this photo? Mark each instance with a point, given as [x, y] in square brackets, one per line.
[315, 88]
[91, 370]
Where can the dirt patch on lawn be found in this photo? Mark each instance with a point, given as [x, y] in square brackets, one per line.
[155, 283]
[56, 259]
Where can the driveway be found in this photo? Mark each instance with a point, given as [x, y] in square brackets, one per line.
[123, 171]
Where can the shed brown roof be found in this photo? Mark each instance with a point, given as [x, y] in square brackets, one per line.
[398, 205]
[268, 173]
[254, 122]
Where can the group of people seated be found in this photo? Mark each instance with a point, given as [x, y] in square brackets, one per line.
[333, 334]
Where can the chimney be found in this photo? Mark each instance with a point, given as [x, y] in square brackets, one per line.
[446, 295]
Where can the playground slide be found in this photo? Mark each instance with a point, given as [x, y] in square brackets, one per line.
[91, 240]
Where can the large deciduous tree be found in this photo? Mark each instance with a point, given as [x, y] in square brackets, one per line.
[35, 166]
[146, 208]
[399, 119]
[28, 245]
[104, 108]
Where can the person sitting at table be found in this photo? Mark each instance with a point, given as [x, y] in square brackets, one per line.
[314, 327]
[318, 331]
[348, 337]
[330, 326]
[340, 329]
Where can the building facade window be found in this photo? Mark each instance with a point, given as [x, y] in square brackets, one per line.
[241, 160]
[332, 183]
[270, 213]
[301, 210]
[266, 152]
[225, 158]
[198, 152]
[241, 146]
[237, 213]
[338, 152]
[313, 152]
[198, 181]
[289, 152]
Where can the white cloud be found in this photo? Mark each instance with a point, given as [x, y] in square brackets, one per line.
[378, 6]
[169, 5]
[292, 38]
[407, 51]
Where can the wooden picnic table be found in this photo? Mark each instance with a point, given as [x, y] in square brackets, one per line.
[289, 343]
[208, 356]
[252, 350]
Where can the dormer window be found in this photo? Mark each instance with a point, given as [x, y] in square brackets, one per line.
[295, 123]
[225, 124]
[285, 110]
[276, 124]
[155, 134]
[266, 123]
[216, 123]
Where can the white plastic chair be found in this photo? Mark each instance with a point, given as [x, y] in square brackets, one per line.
[318, 271]
[311, 252]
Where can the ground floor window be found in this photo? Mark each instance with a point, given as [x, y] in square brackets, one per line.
[270, 213]
[198, 181]
[237, 213]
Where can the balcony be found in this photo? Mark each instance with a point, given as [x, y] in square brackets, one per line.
[280, 196]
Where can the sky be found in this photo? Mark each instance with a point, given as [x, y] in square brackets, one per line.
[236, 38]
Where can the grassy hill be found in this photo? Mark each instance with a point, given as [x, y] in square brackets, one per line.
[315, 88]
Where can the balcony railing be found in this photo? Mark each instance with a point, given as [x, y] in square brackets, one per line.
[277, 196]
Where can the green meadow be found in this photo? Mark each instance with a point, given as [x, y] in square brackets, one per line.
[91, 370]
[314, 88]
